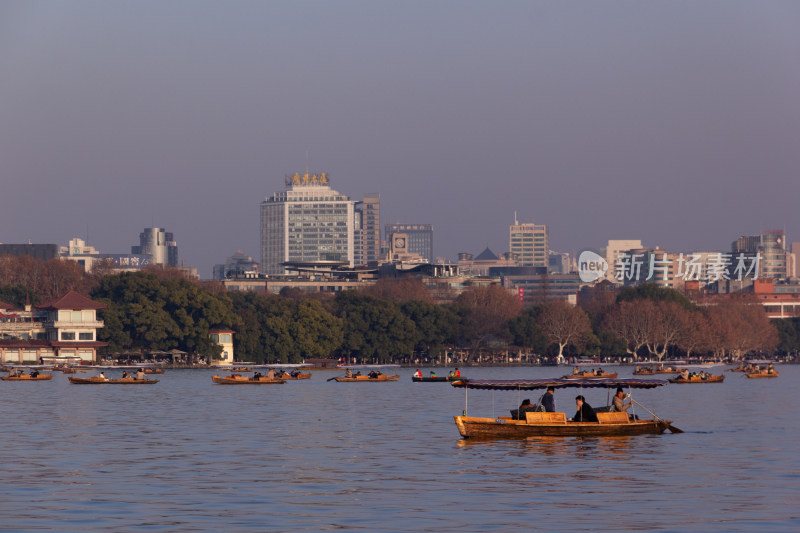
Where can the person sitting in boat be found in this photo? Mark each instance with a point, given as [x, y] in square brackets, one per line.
[294, 373]
[457, 373]
[433, 374]
[618, 402]
[102, 376]
[140, 375]
[576, 371]
[270, 374]
[770, 370]
[451, 374]
[685, 374]
[358, 373]
[418, 374]
[34, 373]
[348, 373]
[257, 376]
[585, 413]
[548, 400]
[124, 374]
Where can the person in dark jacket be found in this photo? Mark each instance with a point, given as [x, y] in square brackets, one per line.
[548, 401]
[585, 413]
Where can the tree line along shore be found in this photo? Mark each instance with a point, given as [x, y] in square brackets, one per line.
[399, 321]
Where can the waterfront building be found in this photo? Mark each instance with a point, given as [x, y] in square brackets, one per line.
[159, 245]
[62, 330]
[418, 238]
[307, 222]
[529, 244]
[88, 257]
[223, 337]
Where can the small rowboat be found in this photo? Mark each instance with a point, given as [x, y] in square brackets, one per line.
[755, 375]
[121, 381]
[366, 379]
[650, 371]
[153, 370]
[697, 379]
[236, 379]
[427, 379]
[590, 375]
[28, 377]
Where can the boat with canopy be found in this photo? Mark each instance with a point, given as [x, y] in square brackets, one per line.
[538, 423]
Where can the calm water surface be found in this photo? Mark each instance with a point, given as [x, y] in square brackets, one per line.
[187, 455]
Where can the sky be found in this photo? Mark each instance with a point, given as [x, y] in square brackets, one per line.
[677, 123]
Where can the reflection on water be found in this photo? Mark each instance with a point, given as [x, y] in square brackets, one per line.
[187, 455]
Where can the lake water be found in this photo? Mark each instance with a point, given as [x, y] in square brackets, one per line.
[188, 455]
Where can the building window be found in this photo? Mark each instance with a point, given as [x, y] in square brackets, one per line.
[85, 336]
[67, 335]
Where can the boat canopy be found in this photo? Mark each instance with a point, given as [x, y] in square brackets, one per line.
[533, 384]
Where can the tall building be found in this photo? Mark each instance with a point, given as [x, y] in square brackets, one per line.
[529, 244]
[238, 265]
[367, 232]
[307, 222]
[419, 238]
[159, 245]
[614, 250]
[771, 246]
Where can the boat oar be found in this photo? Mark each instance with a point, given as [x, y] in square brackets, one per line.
[331, 379]
[672, 428]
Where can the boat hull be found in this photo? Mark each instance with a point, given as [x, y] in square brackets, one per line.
[126, 381]
[757, 375]
[434, 379]
[41, 377]
[711, 379]
[604, 375]
[366, 379]
[241, 380]
[295, 378]
[503, 428]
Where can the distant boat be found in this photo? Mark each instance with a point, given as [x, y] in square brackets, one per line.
[96, 380]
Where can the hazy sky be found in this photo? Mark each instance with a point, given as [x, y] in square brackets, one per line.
[677, 123]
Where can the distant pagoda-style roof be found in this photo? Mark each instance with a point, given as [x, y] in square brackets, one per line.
[73, 300]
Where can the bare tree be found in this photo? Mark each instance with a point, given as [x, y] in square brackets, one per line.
[564, 324]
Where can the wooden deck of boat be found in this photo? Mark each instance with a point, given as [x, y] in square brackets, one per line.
[244, 380]
[756, 375]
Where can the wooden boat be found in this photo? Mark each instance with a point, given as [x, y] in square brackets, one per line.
[288, 376]
[755, 375]
[96, 380]
[236, 379]
[590, 375]
[437, 379]
[153, 370]
[64, 369]
[538, 423]
[366, 379]
[28, 377]
[651, 371]
[698, 379]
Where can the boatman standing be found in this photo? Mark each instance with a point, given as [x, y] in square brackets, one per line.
[548, 401]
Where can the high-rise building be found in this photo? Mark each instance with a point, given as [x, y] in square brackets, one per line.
[159, 245]
[614, 250]
[308, 222]
[367, 245]
[529, 244]
[419, 238]
[771, 247]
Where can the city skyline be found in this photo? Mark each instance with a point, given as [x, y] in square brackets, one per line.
[673, 124]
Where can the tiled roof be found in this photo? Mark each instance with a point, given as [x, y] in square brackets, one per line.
[73, 300]
[6, 306]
